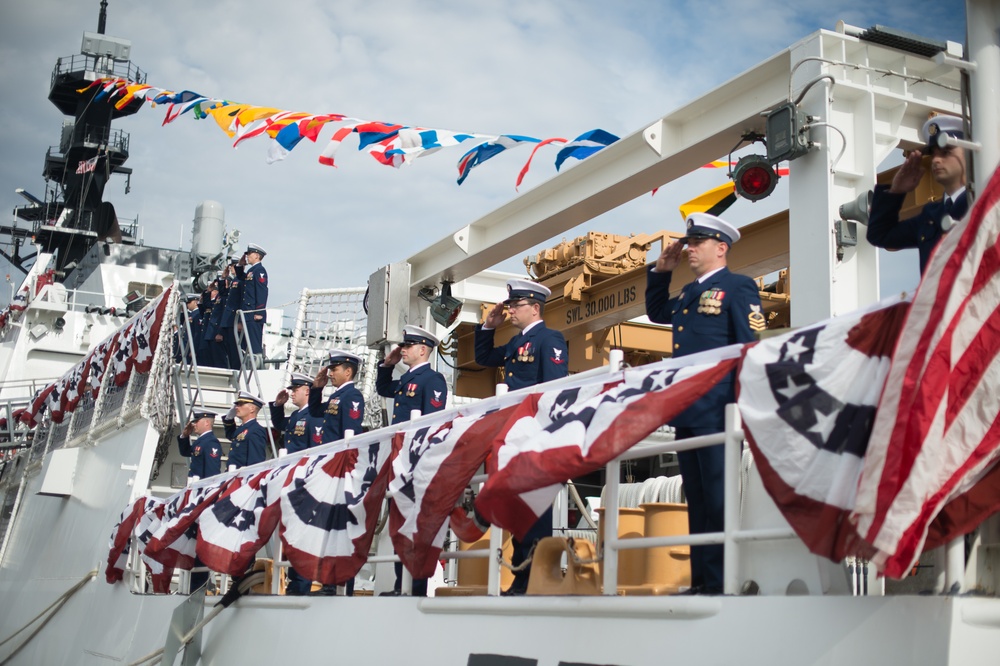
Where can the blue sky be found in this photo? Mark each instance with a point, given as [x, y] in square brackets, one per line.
[537, 67]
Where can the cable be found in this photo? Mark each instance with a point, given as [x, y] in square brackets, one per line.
[234, 593]
[877, 70]
[808, 86]
[580, 504]
[55, 606]
[843, 145]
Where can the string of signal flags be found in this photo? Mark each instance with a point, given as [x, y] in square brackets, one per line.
[390, 144]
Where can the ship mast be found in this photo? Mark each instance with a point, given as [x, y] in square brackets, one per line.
[73, 215]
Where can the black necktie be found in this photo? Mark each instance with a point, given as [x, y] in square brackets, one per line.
[947, 205]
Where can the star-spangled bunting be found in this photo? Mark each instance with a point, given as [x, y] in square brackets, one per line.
[808, 400]
[128, 350]
[330, 507]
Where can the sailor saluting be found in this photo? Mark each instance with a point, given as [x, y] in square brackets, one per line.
[719, 308]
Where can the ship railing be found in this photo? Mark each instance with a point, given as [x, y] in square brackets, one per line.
[187, 379]
[733, 537]
[21, 391]
[335, 319]
[273, 549]
[56, 297]
[13, 434]
[247, 375]
[100, 64]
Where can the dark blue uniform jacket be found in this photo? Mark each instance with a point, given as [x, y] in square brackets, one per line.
[345, 410]
[424, 389]
[205, 453]
[922, 231]
[248, 442]
[254, 293]
[531, 358]
[301, 429]
[717, 325]
[231, 295]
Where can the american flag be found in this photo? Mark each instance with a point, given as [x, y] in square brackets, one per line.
[86, 166]
[937, 432]
[138, 340]
[172, 533]
[99, 360]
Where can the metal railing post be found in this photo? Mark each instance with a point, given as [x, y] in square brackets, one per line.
[300, 321]
[493, 573]
[610, 555]
[733, 452]
[954, 565]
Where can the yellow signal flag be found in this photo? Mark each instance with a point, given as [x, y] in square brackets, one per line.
[224, 115]
[713, 202]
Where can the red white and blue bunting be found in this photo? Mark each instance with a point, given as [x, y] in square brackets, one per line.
[130, 349]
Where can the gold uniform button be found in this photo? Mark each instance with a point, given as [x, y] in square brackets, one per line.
[685, 311]
[676, 346]
[680, 328]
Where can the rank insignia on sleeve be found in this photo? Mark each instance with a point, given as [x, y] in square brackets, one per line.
[436, 401]
[557, 356]
[756, 319]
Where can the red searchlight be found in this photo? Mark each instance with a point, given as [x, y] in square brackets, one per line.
[754, 177]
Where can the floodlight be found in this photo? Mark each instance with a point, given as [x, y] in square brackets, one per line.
[445, 308]
[754, 177]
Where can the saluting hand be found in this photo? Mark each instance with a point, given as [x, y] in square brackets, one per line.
[281, 398]
[909, 174]
[496, 317]
[669, 258]
[321, 378]
[188, 429]
[393, 357]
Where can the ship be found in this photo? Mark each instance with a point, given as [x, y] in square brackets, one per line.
[97, 381]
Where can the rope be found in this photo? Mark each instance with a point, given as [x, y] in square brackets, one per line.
[55, 606]
[520, 567]
[158, 402]
[234, 593]
[571, 553]
[580, 504]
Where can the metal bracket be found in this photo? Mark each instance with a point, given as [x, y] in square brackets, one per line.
[654, 136]
[461, 238]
